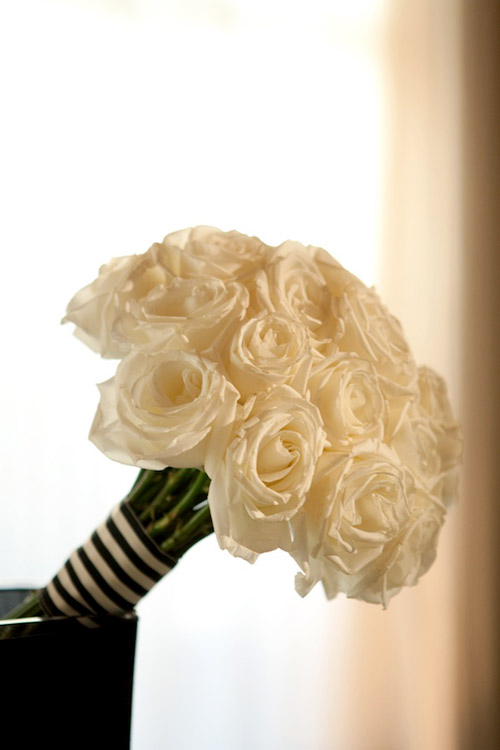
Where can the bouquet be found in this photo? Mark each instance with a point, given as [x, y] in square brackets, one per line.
[267, 395]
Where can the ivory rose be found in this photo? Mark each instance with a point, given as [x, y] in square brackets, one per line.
[357, 506]
[434, 402]
[412, 553]
[200, 309]
[336, 277]
[347, 392]
[429, 438]
[267, 350]
[401, 563]
[291, 283]
[369, 331]
[95, 309]
[166, 408]
[416, 443]
[268, 467]
[207, 251]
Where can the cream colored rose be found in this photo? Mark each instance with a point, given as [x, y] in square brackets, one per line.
[347, 392]
[429, 439]
[425, 450]
[337, 278]
[268, 350]
[402, 562]
[372, 333]
[200, 309]
[292, 284]
[417, 445]
[357, 506]
[131, 288]
[266, 472]
[434, 403]
[96, 308]
[412, 553]
[207, 251]
[168, 408]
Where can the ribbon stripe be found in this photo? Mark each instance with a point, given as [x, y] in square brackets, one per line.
[163, 558]
[66, 597]
[131, 554]
[103, 586]
[116, 567]
[88, 594]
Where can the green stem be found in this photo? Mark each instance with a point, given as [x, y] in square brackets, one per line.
[190, 499]
[29, 607]
[143, 482]
[176, 480]
[184, 532]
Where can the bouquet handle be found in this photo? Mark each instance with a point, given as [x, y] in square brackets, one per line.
[117, 565]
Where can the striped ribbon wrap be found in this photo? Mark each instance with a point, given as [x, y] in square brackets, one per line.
[116, 567]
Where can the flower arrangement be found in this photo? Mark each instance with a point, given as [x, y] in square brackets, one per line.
[267, 395]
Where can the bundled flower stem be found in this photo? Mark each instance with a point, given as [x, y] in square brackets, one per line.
[173, 509]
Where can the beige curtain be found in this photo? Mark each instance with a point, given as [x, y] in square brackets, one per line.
[403, 663]
[479, 561]
[424, 675]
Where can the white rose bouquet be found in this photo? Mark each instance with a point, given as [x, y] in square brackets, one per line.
[268, 396]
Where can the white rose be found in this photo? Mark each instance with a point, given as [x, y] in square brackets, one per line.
[169, 408]
[357, 506]
[372, 333]
[207, 251]
[336, 277]
[124, 284]
[347, 392]
[408, 557]
[96, 307]
[268, 350]
[291, 283]
[266, 472]
[413, 552]
[434, 402]
[402, 563]
[429, 439]
[416, 443]
[200, 309]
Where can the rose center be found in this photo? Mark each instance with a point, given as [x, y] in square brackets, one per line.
[276, 459]
[175, 384]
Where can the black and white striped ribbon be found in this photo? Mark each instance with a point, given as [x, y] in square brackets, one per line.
[116, 567]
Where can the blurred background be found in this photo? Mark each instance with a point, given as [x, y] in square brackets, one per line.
[368, 127]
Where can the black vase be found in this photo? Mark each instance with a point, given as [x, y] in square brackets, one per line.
[65, 682]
